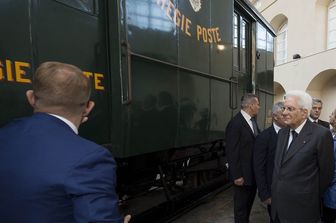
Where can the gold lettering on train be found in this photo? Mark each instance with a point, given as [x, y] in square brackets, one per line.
[88, 74]
[203, 34]
[9, 70]
[20, 71]
[17, 72]
[208, 35]
[97, 79]
[173, 14]
[2, 75]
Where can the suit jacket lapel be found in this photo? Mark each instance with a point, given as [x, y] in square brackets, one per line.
[281, 145]
[243, 120]
[273, 136]
[299, 142]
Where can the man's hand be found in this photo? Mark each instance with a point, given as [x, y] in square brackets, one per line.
[127, 218]
[268, 201]
[239, 181]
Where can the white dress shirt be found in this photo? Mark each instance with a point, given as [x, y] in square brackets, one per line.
[247, 117]
[297, 130]
[276, 127]
[313, 120]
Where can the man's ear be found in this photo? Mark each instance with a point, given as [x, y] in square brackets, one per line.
[275, 117]
[31, 98]
[88, 108]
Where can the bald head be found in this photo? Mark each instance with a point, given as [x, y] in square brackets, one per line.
[62, 86]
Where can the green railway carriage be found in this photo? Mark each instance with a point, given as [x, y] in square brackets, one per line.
[167, 77]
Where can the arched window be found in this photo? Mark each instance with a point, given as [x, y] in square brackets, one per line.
[281, 45]
[332, 25]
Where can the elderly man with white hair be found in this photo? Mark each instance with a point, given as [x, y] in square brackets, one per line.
[304, 163]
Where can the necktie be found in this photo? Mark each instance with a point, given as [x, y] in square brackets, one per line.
[255, 128]
[294, 135]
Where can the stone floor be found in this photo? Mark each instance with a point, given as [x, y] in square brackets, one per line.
[220, 210]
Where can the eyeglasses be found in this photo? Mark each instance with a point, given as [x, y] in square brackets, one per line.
[289, 109]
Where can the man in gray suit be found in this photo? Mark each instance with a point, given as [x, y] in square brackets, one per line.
[304, 163]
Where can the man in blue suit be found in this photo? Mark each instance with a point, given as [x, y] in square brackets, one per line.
[264, 153]
[47, 172]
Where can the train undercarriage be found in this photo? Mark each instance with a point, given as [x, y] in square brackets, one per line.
[176, 178]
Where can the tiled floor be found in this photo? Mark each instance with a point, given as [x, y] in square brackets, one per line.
[220, 210]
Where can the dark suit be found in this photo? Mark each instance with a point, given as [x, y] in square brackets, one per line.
[49, 174]
[323, 123]
[301, 174]
[263, 161]
[263, 155]
[239, 146]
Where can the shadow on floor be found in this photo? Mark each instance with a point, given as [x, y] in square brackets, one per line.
[220, 210]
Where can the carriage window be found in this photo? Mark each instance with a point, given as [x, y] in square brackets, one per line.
[243, 45]
[270, 43]
[89, 6]
[240, 42]
[261, 37]
[235, 41]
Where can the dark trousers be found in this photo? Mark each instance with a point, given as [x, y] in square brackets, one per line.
[329, 215]
[243, 201]
[269, 210]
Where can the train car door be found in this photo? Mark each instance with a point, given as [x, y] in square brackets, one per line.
[242, 28]
[74, 31]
